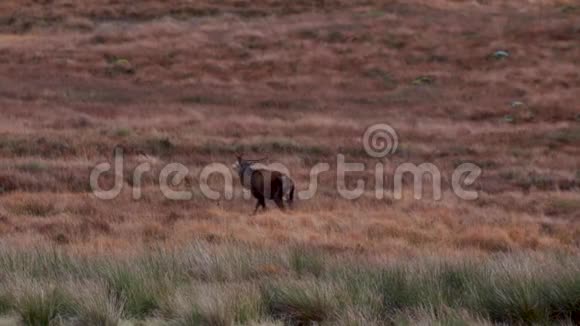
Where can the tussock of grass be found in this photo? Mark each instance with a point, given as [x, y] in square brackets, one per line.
[430, 316]
[305, 262]
[283, 145]
[565, 136]
[454, 282]
[209, 304]
[563, 297]
[141, 296]
[6, 303]
[208, 284]
[96, 305]
[205, 99]
[38, 209]
[399, 291]
[562, 206]
[277, 145]
[38, 305]
[123, 132]
[299, 304]
[34, 208]
[158, 146]
[32, 167]
[44, 147]
[203, 263]
[512, 300]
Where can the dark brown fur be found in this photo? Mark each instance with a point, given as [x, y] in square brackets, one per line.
[264, 184]
[267, 185]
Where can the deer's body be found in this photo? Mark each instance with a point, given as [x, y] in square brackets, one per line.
[265, 184]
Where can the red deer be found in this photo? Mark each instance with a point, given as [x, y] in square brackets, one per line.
[265, 184]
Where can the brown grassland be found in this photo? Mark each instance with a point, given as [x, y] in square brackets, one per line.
[195, 82]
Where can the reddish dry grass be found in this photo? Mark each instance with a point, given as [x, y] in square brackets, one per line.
[193, 82]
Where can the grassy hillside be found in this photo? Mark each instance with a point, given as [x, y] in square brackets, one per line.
[494, 83]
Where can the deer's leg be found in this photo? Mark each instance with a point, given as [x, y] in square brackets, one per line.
[261, 202]
[256, 209]
[279, 198]
[291, 198]
[280, 203]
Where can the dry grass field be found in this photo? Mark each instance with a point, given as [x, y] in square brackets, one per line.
[195, 82]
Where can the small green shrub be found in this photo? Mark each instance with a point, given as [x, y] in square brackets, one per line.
[159, 146]
[510, 299]
[140, 295]
[565, 136]
[394, 42]
[6, 303]
[563, 297]
[454, 282]
[42, 146]
[305, 262]
[283, 145]
[568, 9]
[32, 167]
[216, 304]
[299, 304]
[123, 132]
[247, 308]
[206, 99]
[280, 145]
[423, 80]
[384, 77]
[399, 291]
[193, 318]
[561, 206]
[95, 305]
[41, 307]
[34, 208]
[360, 290]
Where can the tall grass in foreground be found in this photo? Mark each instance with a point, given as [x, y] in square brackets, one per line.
[228, 284]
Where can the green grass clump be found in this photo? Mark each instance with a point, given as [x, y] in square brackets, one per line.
[42, 306]
[123, 132]
[562, 297]
[399, 291]
[158, 146]
[454, 282]
[32, 167]
[562, 206]
[305, 262]
[565, 136]
[216, 304]
[360, 290]
[512, 300]
[42, 146]
[34, 208]
[141, 295]
[280, 145]
[6, 303]
[384, 77]
[299, 303]
[95, 305]
[283, 145]
[423, 80]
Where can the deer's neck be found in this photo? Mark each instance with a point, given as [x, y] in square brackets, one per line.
[245, 169]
